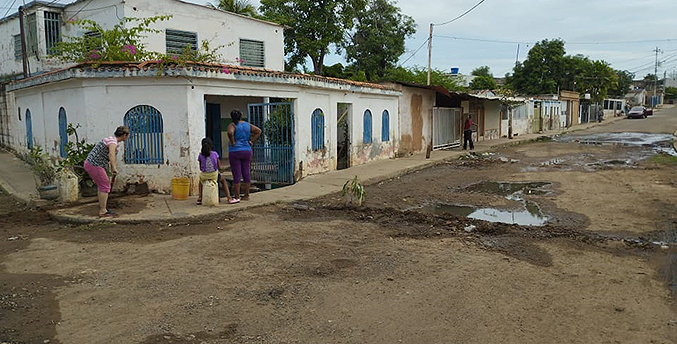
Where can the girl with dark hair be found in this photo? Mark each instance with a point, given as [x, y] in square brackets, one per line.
[241, 136]
[209, 169]
[101, 157]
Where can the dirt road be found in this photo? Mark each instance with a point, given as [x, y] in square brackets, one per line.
[572, 240]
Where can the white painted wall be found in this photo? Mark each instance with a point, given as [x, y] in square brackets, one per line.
[100, 103]
[99, 106]
[218, 27]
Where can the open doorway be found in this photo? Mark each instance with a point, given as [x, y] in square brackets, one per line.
[343, 123]
[213, 125]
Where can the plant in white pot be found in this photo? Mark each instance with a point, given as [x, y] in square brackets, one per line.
[45, 173]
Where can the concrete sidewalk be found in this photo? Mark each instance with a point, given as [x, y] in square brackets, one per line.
[155, 207]
[17, 179]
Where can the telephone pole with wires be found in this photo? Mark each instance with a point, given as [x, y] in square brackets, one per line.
[430, 38]
[654, 99]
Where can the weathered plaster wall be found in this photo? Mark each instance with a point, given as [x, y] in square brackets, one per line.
[106, 13]
[521, 120]
[218, 27]
[492, 119]
[99, 106]
[415, 119]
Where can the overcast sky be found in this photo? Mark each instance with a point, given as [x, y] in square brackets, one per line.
[529, 21]
[590, 27]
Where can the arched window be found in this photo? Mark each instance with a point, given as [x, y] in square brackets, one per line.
[385, 126]
[366, 134]
[63, 134]
[144, 145]
[317, 130]
[29, 129]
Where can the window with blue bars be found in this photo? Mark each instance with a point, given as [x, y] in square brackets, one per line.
[317, 131]
[385, 126]
[144, 145]
[366, 134]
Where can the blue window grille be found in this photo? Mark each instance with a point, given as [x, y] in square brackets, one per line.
[317, 131]
[63, 134]
[385, 126]
[29, 129]
[144, 145]
[366, 134]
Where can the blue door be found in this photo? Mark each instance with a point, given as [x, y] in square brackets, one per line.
[214, 126]
[273, 153]
[29, 129]
[63, 134]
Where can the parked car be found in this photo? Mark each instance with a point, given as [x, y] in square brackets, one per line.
[649, 112]
[637, 112]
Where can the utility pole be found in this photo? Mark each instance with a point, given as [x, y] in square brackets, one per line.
[24, 58]
[430, 51]
[655, 82]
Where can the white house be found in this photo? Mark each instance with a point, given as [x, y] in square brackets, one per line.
[169, 115]
[310, 124]
[258, 43]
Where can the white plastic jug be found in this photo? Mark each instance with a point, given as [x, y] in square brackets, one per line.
[210, 193]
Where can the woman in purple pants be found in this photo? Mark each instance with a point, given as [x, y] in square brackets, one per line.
[242, 136]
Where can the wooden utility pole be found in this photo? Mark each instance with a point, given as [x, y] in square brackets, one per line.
[655, 82]
[24, 57]
[430, 50]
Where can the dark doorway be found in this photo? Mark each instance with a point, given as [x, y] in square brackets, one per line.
[213, 122]
[343, 114]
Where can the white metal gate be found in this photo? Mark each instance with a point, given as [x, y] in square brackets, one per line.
[446, 127]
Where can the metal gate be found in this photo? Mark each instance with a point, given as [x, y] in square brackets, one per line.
[273, 153]
[446, 127]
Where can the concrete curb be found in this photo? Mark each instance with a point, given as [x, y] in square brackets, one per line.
[210, 216]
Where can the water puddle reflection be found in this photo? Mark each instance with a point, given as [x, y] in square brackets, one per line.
[530, 215]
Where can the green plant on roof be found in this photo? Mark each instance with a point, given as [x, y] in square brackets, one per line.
[121, 43]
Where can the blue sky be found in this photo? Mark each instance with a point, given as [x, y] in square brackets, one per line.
[621, 32]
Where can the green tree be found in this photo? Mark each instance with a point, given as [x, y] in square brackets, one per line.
[418, 75]
[243, 7]
[483, 82]
[377, 41]
[542, 71]
[649, 81]
[312, 28]
[482, 71]
[624, 83]
[671, 92]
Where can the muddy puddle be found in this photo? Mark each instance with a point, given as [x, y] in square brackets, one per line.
[656, 142]
[529, 214]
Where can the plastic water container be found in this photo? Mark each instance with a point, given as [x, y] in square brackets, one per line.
[180, 188]
[210, 193]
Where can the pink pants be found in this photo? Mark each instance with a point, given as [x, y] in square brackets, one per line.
[99, 176]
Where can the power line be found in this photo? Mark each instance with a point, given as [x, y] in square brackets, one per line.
[9, 9]
[462, 15]
[417, 50]
[81, 8]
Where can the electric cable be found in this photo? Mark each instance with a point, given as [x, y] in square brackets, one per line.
[415, 52]
[462, 15]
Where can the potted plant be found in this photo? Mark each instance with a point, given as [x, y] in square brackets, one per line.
[45, 173]
[76, 154]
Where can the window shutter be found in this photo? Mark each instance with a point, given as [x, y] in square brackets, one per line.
[176, 41]
[252, 53]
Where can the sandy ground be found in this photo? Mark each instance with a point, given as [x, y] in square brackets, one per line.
[319, 272]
